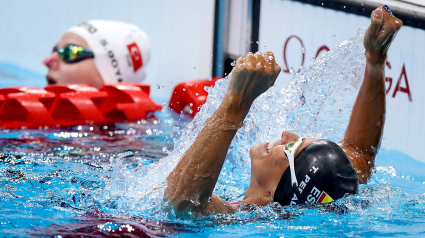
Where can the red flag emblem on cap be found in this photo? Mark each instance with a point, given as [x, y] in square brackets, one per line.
[324, 198]
[136, 56]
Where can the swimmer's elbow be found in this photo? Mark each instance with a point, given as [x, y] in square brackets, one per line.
[179, 207]
[177, 203]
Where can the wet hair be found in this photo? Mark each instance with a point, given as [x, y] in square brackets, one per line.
[324, 174]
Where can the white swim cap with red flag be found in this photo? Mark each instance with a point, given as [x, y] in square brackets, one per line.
[121, 50]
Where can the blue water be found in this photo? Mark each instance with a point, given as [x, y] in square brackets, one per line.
[108, 181]
[53, 179]
[12, 75]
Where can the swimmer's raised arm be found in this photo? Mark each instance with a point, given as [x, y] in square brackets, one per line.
[363, 136]
[190, 185]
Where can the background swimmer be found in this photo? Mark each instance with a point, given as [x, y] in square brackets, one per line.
[190, 185]
[97, 52]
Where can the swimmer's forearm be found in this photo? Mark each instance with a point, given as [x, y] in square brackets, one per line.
[368, 115]
[195, 176]
[363, 136]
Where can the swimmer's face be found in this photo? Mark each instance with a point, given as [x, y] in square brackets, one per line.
[268, 163]
[60, 72]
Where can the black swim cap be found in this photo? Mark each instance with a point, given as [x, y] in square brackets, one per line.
[324, 174]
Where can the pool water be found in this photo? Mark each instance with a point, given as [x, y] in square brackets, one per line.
[109, 181]
[12, 75]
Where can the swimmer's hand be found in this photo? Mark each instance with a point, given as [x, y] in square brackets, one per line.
[380, 34]
[252, 76]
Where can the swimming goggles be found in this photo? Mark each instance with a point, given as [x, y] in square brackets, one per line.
[74, 53]
[289, 150]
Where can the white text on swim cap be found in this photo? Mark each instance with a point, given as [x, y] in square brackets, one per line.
[114, 61]
[88, 26]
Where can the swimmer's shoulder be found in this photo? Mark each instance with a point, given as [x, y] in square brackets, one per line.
[362, 162]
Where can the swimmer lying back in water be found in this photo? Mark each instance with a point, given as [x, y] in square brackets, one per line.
[97, 52]
[293, 170]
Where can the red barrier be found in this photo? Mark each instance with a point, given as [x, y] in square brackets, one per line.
[26, 107]
[189, 96]
[77, 104]
[128, 102]
[65, 105]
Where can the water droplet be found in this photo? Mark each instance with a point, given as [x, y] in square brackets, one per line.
[211, 55]
[194, 67]
[322, 3]
[369, 162]
[158, 86]
[210, 65]
[257, 42]
[191, 104]
[303, 50]
[184, 89]
[291, 70]
[165, 150]
[340, 110]
[197, 94]
[233, 63]
[164, 105]
[333, 35]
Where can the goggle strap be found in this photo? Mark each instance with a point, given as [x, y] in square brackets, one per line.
[291, 157]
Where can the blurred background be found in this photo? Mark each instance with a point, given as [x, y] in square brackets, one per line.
[194, 39]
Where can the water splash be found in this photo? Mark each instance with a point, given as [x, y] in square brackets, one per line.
[311, 106]
[317, 103]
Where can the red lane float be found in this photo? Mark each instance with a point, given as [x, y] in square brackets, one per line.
[75, 104]
[189, 96]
